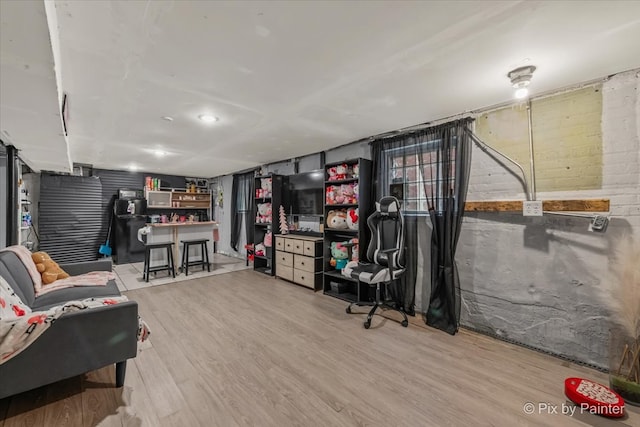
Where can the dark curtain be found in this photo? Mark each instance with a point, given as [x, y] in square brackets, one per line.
[401, 291]
[442, 155]
[446, 195]
[241, 208]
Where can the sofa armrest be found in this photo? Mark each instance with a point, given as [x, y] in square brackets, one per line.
[77, 268]
[76, 343]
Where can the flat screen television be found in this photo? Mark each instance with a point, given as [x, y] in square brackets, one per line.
[304, 193]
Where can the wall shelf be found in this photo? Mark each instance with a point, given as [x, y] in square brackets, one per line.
[578, 205]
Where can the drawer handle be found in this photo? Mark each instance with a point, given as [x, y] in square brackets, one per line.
[297, 247]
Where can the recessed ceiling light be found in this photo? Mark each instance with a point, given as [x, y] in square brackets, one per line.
[167, 118]
[208, 118]
[160, 153]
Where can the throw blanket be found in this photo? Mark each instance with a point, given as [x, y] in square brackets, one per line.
[19, 326]
[94, 278]
[25, 256]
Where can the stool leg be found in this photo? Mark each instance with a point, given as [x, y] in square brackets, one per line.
[184, 248]
[147, 261]
[172, 267]
[202, 249]
[186, 259]
[206, 252]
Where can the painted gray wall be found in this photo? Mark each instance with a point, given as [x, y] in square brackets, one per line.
[287, 167]
[350, 151]
[309, 163]
[543, 281]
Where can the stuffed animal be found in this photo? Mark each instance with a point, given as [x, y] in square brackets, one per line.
[354, 249]
[265, 186]
[339, 255]
[341, 171]
[330, 195]
[264, 213]
[260, 250]
[332, 171]
[348, 194]
[338, 197]
[352, 218]
[337, 219]
[48, 268]
[355, 171]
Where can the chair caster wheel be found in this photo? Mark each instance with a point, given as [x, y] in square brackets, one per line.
[348, 310]
[367, 324]
[405, 323]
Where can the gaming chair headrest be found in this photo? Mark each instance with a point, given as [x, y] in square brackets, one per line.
[388, 206]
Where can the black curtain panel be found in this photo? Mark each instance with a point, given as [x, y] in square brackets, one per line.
[428, 169]
[446, 178]
[241, 207]
[249, 203]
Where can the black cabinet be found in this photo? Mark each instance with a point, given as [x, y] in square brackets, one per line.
[268, 199]
[347, 205]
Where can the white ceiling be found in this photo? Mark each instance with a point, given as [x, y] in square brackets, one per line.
[287, 78]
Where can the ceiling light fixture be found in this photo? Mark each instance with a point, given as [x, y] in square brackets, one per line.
[160, 153]
[208, 118]
[520, 80]
[167, 118]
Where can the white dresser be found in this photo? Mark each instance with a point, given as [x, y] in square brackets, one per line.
[299, 259]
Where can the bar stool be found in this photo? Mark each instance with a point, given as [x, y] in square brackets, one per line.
[204, 258]
[169, 266]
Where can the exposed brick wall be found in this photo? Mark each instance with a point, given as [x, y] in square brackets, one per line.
[541, 281]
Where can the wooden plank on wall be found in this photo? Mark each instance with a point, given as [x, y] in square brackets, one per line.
[579, 205]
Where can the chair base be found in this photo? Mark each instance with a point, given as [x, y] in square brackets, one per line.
[378, 304]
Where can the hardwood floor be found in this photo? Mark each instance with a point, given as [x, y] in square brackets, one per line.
[245, 349]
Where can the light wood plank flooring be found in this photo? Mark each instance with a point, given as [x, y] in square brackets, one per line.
[245, 349]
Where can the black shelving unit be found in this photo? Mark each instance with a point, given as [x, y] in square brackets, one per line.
[334, 283]
[266, 264]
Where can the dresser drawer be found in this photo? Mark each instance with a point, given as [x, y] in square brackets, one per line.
[284, 258]
[307, 263]
[280, 243]
[288, 245]
[310, 248]
[284, 272]
[304, 278]
[297, 246]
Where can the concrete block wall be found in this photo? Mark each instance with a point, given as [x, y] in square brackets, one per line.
[543, 281]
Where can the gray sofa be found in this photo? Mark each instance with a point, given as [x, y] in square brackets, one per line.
[76, 343]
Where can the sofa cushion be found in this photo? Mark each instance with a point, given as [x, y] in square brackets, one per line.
[77, 293]
[16, 274]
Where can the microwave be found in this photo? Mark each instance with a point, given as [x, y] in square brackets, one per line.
[130, 193]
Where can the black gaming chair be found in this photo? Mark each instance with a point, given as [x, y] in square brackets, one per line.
[385, 253]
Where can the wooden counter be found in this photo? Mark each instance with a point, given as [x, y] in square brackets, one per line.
[182, 224]
[177, 231]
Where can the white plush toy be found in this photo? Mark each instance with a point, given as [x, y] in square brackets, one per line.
[337, 219]
[265, 184]
[352, 219]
